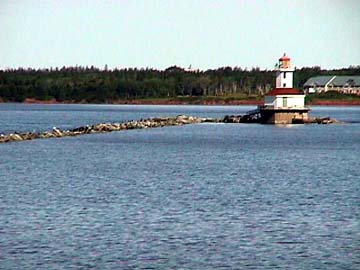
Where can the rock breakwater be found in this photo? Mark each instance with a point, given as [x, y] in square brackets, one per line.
[141, 124]
[107, 127]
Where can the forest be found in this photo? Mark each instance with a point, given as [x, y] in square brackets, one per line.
[94, 85]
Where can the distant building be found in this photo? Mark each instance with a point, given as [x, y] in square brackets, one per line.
[284, 104]
[342, 84]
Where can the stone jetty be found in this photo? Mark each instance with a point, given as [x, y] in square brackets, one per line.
[107, 127]
[140, 124]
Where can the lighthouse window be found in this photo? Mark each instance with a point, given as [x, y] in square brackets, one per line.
[284, 75]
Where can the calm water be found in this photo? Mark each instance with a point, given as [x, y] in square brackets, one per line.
[208, 196]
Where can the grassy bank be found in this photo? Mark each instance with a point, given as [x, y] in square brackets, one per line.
[329, 98]
[332, 98]
[227, 99]
[191, 100]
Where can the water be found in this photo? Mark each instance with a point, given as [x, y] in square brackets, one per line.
[23, 118]
[208, 196]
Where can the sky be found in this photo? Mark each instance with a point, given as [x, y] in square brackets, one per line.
[205, 34]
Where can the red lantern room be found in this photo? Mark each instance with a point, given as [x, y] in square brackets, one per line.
[284, 61]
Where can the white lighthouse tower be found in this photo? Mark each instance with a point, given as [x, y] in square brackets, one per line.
[284, 74]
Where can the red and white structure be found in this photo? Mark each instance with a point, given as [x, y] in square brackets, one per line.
[284, 104]
[284, 74]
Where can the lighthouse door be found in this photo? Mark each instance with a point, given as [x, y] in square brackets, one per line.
[285, 102]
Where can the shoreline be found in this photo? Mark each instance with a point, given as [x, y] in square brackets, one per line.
[149, 102]
[188, 102]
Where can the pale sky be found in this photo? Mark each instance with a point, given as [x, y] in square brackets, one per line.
[160, 33]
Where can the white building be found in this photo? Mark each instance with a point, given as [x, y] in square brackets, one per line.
[342, 84]
[284, 95]
[285, 98]
[284, 104]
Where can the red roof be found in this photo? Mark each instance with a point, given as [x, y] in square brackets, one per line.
[284, 58]
[284, 91]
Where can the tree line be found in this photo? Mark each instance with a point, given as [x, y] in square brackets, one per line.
[84, 84]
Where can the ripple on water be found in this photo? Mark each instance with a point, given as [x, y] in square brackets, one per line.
[192, 197]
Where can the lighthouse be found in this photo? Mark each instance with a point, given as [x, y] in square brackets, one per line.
[284, 104]
[284, 73]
